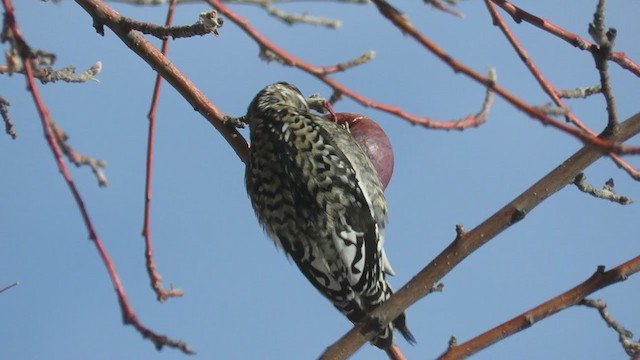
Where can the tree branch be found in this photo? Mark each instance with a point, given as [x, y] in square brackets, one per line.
[104, 15]
[625, 337]
[575, 296]
[607, 192]
[154, 276]
[520, 15]
[9, 127]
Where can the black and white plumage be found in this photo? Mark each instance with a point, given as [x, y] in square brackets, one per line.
[318, 196]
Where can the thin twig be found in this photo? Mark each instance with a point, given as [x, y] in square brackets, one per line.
[9, 127]
[625, 337]
[9, 287]
[440, 5]
[292, 19]
[154, 275]
[76, 158]
[48, 74]
[362, 59]
[607, 192]
[128, 314]
[208, 23]
[68, 74]
[605, 39]
[579, 92]
[632, 171]
[552, 110]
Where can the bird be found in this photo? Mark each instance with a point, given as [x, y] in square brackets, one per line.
[319, 198]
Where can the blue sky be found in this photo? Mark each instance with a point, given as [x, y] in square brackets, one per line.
[244, 300]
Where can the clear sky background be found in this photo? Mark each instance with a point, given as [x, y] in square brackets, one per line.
[244, 299]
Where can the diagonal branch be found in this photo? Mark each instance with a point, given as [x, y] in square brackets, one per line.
[9, 287]
[104, 15]
[575, 296]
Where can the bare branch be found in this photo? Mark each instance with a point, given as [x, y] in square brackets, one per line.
[47, 74]
[604, 39]
[293, 19]
[76, 158]
[552, 110]
[606, 192]
[9, 287]
[625, 337]
[579, 92]
[632, 171]
[9, 128]
[208, 23]
[154, 276]
[574, 296]
[68, 74]
[440, 5]
[362, 59]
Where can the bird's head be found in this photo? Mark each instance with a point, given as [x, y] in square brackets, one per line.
[276, 97]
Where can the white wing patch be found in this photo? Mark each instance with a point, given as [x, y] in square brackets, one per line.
[386, 265]
[346, 246]
[320, 264]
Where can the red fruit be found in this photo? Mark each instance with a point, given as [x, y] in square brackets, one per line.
[373, 141]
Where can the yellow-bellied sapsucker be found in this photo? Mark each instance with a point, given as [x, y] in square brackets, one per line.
[318, 196]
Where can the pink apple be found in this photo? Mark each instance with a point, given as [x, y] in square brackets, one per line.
[373, 141]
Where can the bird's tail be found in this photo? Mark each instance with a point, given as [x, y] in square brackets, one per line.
[400, 323]
[384, 340]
